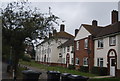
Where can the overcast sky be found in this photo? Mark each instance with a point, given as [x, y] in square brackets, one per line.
[76, 13]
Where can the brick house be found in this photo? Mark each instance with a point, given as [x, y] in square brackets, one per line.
[84, 45]
[97, 46]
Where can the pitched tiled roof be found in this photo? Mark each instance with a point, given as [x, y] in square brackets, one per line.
[60, 34]
[70, 42]
[63, 34]
[110, 29]
[94, 30]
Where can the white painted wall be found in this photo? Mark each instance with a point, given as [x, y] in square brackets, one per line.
[118, 59]
[102, 53]
[82, 33]
[65, 53]
[52, 56]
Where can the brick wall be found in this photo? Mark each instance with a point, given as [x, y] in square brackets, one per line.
[82, 52]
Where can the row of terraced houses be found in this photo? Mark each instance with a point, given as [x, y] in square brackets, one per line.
[92, 46]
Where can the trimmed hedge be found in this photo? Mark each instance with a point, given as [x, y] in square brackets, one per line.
[84, 69]
[102, 71]
[26, 58]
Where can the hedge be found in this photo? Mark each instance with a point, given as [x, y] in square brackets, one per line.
[102, 71]
[84, 69]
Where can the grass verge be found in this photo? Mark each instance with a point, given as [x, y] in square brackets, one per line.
[56, 68]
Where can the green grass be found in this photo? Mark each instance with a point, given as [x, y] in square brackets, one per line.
[65, 70]
[56, 68]
[105, 79]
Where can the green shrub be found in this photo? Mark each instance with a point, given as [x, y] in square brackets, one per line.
[26, 58]
[71, 67]
[102, 71]
[84, 69]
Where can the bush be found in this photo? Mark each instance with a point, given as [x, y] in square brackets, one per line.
[84, 69]
[26, 58]
[102, 71]
[71, 67]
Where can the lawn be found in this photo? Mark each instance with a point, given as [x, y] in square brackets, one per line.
[65, 70]
[56, 68]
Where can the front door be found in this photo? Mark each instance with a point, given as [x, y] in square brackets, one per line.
[112, 66]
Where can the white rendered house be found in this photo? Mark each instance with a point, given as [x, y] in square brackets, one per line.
[66, 53]
[107, 47]
[47, 51]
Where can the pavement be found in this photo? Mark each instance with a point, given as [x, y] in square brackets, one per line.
[5, 75]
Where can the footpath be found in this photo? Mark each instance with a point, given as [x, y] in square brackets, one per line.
[42, 76]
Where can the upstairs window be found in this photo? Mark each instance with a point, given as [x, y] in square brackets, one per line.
[86, 43]
[77, 45]
[112, 40]
[64, 49]
[100, 43]
[68, 48]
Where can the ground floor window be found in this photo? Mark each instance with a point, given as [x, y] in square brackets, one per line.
[100, 62]
[77, 61]
[72, 60]
[63, 60]
[85, 61]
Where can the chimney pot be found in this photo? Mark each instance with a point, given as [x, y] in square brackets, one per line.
[76, 31]
[114, 16]
[94, 23]
[62, 27]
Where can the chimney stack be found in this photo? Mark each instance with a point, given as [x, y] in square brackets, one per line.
[94, 23]
[50, 35]
[54, 31]
[114, 16]
[62, 27]
[76, 31]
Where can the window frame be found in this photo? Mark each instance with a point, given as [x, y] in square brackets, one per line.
[85, 43]
[68, 48]
[85, 60]
[112, 40]
[77, 61]
[100, 43]
[77, 45]
[99, 61]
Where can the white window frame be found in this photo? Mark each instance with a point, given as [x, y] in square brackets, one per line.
[86, 43]
[77, 45]
[112, 40]
[72, 60]
[77, 61]
[64, 49]
[68, 48]
[85, 61]
[100, 43]
[99, 61]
